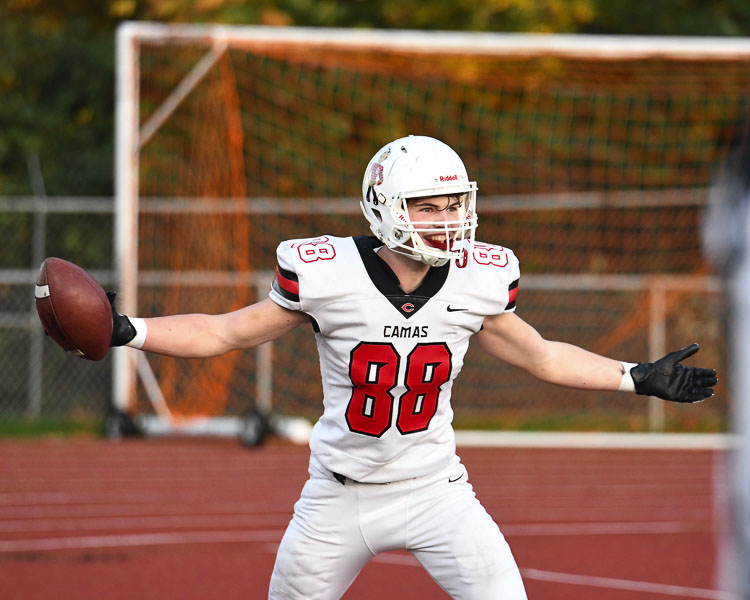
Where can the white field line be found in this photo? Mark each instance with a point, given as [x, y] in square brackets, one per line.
[627, 528]
[272, 536]
[594, 440]
[234, 535]
[627, 584]
[589, 581]
[139, 539]
[88, 523]
[117, 497]
[170, 509]
[140, 522]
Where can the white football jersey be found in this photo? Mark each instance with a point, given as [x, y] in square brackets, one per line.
[388, 359]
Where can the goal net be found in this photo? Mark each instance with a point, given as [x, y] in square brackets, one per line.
[593, 157]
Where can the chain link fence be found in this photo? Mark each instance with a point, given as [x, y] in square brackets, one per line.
[37, 379]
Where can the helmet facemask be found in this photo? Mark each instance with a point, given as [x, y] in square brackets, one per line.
[434, 242]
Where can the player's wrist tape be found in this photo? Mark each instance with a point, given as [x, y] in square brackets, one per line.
[626, 383]
[141, 329]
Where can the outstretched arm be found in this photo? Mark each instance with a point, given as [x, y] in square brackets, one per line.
[511, 339]
[200, 335]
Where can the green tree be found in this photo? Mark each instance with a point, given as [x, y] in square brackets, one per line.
[57, 95]
[57, 72]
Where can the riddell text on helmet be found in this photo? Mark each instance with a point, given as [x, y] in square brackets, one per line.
[449, 178]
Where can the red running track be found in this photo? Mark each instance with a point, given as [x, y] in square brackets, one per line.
[153, 519]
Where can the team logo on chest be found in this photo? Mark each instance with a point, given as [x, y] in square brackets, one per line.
[406, 305]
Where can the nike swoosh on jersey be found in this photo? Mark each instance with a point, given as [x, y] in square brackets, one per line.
[450, 309]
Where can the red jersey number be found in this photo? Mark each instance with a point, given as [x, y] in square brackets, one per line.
[374, 370]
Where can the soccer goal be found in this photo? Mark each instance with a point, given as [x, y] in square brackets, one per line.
[593, 156]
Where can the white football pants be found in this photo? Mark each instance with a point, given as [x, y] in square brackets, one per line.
[336, 529]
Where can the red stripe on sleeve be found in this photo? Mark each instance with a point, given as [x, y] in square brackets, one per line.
[512, 295]
[290, 286]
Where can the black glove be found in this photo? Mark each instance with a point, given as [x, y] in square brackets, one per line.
[666, 378]
[122, 329]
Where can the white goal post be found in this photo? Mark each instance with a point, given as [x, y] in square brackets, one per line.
[136, 131]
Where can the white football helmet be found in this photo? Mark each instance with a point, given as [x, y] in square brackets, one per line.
[418, 167]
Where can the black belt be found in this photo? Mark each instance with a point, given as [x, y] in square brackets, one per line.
[342, 479]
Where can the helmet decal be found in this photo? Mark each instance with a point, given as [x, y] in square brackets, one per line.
[385, 155]
[376, 174]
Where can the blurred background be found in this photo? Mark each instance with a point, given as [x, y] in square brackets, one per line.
[594, 168]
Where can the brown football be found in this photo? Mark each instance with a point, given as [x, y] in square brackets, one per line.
[73, 308]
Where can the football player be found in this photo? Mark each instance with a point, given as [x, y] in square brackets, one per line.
[393, 315]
